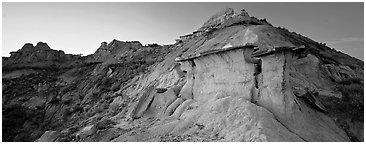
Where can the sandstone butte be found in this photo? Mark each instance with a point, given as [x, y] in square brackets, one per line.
[237, 78]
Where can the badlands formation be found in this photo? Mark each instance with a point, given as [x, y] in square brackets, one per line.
[237, 78]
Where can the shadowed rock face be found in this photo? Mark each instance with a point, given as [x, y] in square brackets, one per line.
[38, 97]
[40, 56]
[209, 87]
[42, 46]
[28, 47]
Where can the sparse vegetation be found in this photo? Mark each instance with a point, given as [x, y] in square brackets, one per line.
[75, 96]
[353, 97]
[350, 106]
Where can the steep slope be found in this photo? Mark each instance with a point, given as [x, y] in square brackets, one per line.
[237, 78]
[213, 81]
[55, 98]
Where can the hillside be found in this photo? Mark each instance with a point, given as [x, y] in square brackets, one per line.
[236, 78]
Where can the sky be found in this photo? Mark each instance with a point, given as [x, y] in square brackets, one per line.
[79, 28]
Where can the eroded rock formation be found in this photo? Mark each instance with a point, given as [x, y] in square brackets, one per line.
[237, 78]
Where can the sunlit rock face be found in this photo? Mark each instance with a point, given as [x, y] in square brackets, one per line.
[218, 93]
[224, 82]
[226, 73]
[213, 84]
[218, 83]
[276, 95]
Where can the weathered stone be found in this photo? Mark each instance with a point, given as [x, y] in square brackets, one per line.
[240, 120]
[187, 90]
[35, 102]
[339, 73]
[177, 88]
[227, 72]
[160, 103]
[169, 111]
[234, 118]
[145, 103]
[248, 56]
[310, 97]
[116, 103]
[49, 136]
[168, 80]
[85, 132]
[219, 17]
[276, 96]
[181, 108]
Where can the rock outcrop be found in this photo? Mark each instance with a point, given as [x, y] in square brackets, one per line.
[219, 18]
[115, 50]
[236, 78]
[222, 19]
[340, 73]
[266, 80]
[49, 136]
[38, 57]
[227, 76]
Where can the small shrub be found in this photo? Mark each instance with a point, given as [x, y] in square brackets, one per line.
[352, 98]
